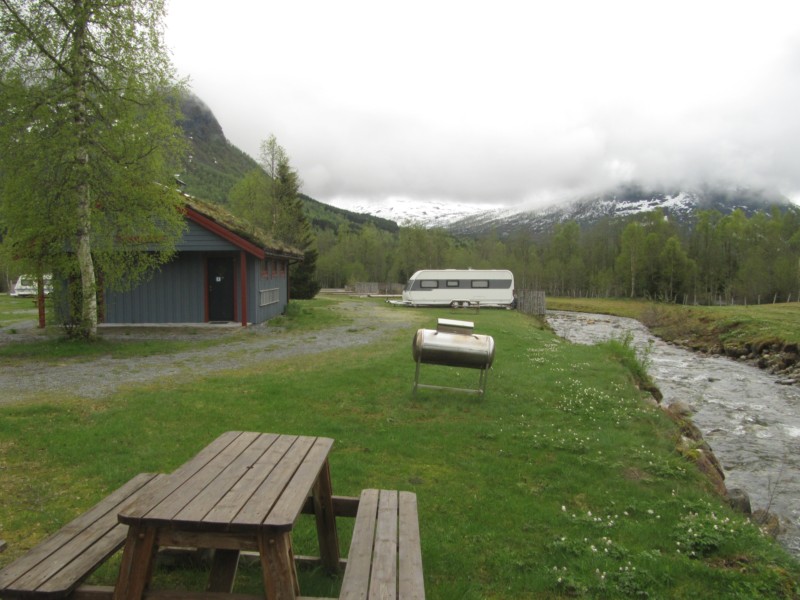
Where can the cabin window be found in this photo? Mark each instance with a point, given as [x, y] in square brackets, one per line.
[451, 283]
[428, 284]
[270, 296]
[480, 283]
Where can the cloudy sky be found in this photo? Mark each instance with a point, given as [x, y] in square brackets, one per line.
[506, 103]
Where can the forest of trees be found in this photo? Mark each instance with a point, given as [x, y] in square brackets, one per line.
[719, 258]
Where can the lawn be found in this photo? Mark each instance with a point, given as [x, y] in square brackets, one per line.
[14, 311]
[562, 481]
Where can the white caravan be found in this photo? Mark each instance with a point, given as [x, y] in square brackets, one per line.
[460, 287]
[26, 286]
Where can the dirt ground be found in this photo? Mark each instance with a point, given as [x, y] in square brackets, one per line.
[362, 323]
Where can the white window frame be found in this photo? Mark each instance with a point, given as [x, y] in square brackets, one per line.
[269, 296]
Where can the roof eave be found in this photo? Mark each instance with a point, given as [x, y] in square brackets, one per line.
[224, 233]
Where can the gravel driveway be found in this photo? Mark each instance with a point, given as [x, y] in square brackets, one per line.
[362, 323]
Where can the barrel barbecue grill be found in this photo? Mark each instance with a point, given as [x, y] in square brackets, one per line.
[453, 344]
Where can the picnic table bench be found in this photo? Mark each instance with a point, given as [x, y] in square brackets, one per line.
[57, 566]
[243, 492]
[385, 560]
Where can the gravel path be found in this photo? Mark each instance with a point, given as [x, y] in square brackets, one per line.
[362, 323]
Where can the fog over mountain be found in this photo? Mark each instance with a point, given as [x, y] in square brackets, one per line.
[215, 165]
[516, 105]
[619, 202]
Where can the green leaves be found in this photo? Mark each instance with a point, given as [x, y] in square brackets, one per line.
[88, 113]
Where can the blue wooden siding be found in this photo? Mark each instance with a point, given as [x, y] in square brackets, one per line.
[174, 294]
[196, 239]
[177, 293]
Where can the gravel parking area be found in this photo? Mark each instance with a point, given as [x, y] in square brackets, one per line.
[362, 323]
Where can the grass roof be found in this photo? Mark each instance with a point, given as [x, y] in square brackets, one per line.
[242, 228]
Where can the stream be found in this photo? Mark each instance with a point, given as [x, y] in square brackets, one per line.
[751, 422]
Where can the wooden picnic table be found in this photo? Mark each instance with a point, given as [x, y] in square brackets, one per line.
[244, 491]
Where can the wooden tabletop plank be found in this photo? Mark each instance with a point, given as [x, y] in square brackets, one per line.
[242, 481]
[219, 488]
[193, 481]
[290, 504]
[132, 511]
[262, 502]
[240, 494]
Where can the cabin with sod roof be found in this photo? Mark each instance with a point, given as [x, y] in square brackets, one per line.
[224, 270]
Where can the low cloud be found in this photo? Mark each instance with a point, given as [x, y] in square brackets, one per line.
[507, 112]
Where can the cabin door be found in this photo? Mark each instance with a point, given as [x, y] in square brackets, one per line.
[221, 298]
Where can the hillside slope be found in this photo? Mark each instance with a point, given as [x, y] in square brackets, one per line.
[215, 165]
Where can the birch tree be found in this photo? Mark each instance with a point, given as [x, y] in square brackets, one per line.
[88, 125]
[631, 256]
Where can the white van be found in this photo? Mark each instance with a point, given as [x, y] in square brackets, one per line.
[26, 286]
[460, 287]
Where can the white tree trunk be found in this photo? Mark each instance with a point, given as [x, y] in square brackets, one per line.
[88, 324]
[88, 283]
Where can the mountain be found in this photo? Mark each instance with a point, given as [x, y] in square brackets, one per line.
[325, 216]
[214, 166]
[427, 213]
[621, 203]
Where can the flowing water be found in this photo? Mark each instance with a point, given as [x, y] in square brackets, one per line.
[750, 420]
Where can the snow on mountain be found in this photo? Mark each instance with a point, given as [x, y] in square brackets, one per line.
[407, 211]
[622, 202]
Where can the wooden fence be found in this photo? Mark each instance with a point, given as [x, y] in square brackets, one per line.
[375, 288]
[531, 302]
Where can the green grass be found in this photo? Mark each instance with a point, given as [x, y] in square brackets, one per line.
[14, 311]
[561, 482]
[57, 348]
[704, 327]
[52, 345]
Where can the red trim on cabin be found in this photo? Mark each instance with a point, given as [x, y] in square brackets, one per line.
[243, 281]
[233, 289]
[224, 233]
[205, 288]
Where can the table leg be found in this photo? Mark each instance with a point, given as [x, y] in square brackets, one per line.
[326, 520]
[277, 564]
[136, 567]
[223, 571]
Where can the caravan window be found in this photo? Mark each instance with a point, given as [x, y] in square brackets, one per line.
[452, 283]
[427, 284]
[480, 283]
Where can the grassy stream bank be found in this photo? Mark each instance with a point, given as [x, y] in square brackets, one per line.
[767, 334]
[563, 481]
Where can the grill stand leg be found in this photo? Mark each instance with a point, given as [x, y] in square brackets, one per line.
[416, 380]
[482, 380]
[483, 376]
